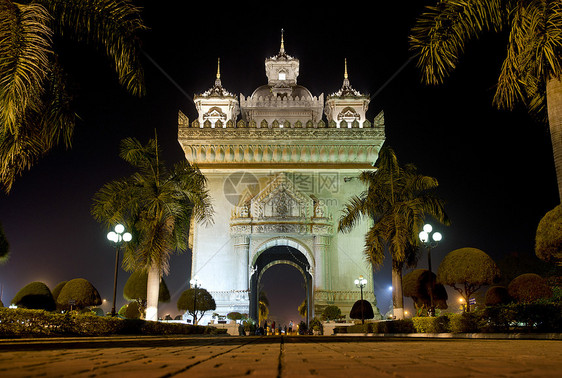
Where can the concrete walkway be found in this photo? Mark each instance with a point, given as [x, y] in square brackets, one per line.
[275, 356]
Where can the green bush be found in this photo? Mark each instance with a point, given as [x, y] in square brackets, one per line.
[23, 323]
[539, 316]
[77, 294]
[35, 295]
[439, 324]
[467, 322]
[331, 313]
[529, 287]
[497, 295]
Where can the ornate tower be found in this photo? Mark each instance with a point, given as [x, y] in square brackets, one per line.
[216, 106]
[279, 177]
[347, 106]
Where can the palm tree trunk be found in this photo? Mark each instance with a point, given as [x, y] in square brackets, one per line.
[554, 106]
[397, 297]
[152, 291]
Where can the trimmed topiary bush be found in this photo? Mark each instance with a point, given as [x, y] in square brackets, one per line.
[367, 311]
[496, 295]
[529, 287]
[35, 295]
[548, 239]
[78, 294]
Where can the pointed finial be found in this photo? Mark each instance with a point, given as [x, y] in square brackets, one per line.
[219, 68]
[345, 70]
[282, 49]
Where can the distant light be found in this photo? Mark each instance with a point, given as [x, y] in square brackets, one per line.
[461, 299]
[390, 288]
[119, 228]
[427, 228]
[437, 236]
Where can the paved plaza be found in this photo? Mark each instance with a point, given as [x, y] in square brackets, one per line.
[277, 356]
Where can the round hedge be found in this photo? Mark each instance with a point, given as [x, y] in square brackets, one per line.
[548, 239]
[35, 295]
[80, 292]
[496, 295]
[529, 287]
[355, 312]
[467, 265]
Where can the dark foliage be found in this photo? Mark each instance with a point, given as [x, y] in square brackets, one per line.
[35, 295]
[355, 312]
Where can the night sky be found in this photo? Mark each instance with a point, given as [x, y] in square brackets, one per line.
[495, 168]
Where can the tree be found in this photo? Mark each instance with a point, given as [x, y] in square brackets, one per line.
[135, 290]
[366, 313]
[35, 295]
[4, 247]
[131, 310]
[196, 301]
[531, 72]
[157, 204]
[469, 267]
[548, 240]
[78, 293]
[263, 307]
[57, 289]
[397, 200]
[35, 105]
[529, 287]
[417, 285]
[331, 312]
[303, 308]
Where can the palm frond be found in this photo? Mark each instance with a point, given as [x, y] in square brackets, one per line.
[25, 50]
[111, 26]
[440, 34]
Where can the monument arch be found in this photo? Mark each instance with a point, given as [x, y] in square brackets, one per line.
[278, 174]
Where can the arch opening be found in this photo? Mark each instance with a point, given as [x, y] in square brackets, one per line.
[283, 272]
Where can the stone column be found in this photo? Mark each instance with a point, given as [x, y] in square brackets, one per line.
[242, 253]
[321, 269]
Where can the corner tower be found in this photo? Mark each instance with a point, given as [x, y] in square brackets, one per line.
[347, 107]
[216, 106]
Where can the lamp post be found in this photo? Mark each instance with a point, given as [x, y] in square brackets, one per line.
[119, 236]
[430, 240]
[361, 283]
[195, 284]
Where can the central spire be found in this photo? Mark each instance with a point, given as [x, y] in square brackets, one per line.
[282, 49]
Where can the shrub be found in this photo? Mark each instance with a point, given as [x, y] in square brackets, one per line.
[496, 295]
[24, 322]
[437, 324]
[57, 289]
[131, 310]
[548, 239]
[331, 313]
[78, 293]
[529, 287]
[234, 316]
[316, 325]
[35, 295]
[467, 322]
[366, 313]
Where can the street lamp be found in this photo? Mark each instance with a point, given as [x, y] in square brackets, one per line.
[430, 240]
[119, 236]
[361, 283]
[195, 284]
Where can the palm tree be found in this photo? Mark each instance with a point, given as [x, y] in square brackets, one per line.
[397, 200]
[532, 69]
[263, 307]
[35, 106]
[157, 204]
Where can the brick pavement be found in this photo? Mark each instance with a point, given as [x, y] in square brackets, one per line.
[322, 356]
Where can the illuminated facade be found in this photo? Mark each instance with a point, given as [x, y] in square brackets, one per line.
[279, 174]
